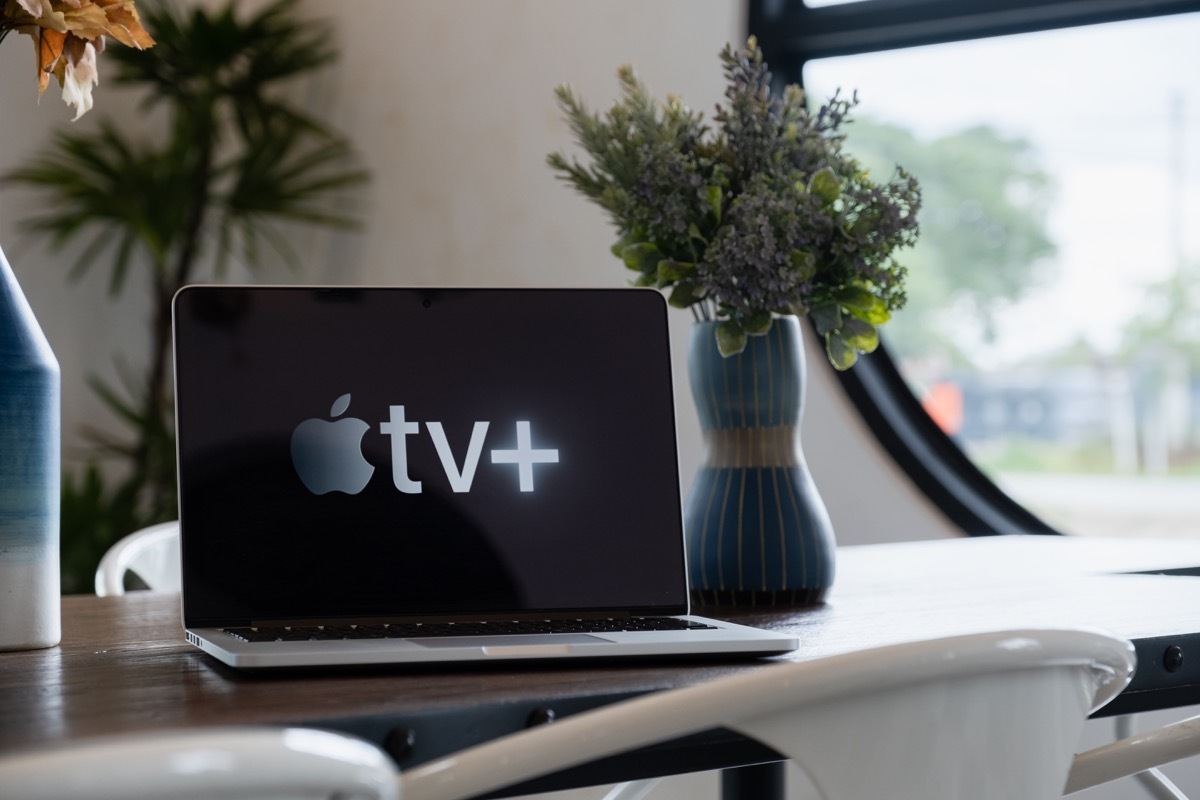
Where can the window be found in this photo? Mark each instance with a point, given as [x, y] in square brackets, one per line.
[1052, 342]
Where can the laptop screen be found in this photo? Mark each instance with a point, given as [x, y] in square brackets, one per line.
[358, 453]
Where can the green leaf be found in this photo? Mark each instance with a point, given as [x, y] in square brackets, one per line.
[824, 184]
[863, 304]
[642, 257]
[684, 294]
[694, 233]
[618, 247]
[841, 354]
[826, 316]
[804, 263]
[758, 323]
[715, 195]
[731, 339]
[670, 270]
[860, 335]
[876, 316]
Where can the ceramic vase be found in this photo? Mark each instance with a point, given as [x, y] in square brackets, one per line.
[757, 530]
[29, 475]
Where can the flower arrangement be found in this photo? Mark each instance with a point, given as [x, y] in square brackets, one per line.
[766, 215]
[68, 35]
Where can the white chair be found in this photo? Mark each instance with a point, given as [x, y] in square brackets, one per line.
[151, 553]
[241, 763]
[988, 716]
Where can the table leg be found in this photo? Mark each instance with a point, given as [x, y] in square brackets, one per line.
[758, 782]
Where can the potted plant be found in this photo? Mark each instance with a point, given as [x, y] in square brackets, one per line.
[750, 224]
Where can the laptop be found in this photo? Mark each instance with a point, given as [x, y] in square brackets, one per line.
[404, 475]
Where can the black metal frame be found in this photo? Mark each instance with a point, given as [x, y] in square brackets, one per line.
[791, 34]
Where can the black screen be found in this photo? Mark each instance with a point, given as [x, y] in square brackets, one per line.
[348, 453]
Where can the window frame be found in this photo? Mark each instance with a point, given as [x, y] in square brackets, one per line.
[792, 34]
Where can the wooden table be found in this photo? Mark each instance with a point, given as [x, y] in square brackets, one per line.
[123, 665]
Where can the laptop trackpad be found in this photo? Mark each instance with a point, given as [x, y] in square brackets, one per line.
[506, 642]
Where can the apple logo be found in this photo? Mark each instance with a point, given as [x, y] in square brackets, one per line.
[328, 455]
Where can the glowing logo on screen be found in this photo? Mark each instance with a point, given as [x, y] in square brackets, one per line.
[327, 455]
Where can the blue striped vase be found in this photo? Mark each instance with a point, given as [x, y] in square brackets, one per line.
[757, 530]
[29, 475]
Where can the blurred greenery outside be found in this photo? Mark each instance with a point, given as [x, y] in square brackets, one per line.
[984, 246]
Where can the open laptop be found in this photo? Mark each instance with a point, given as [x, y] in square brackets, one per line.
[392, 475]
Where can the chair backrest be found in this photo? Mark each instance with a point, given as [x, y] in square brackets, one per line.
[989, 716]
[1139, 754]
[151, 553]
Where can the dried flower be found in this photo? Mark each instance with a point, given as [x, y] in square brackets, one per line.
[68, 35]
[765, 215]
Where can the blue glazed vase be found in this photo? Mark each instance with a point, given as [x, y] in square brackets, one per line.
[757, 529]
[29, 475]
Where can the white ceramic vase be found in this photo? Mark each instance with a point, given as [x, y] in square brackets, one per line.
[30, 423]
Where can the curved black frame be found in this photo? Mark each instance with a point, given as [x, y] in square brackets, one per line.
[792, 34]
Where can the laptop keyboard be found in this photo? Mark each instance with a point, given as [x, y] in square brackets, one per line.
[417, 630]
